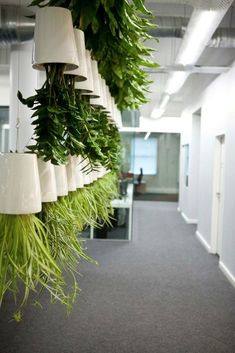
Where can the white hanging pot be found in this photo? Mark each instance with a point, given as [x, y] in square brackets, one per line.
[19, 184]
[86, 176]
[81, 71]
[108, 108]
[94, 175]
[96, 93]
[86, 86]
[71, 173]
[47, 181]
[98, 102]
[61, 180]
[79, 174]
[54, 40]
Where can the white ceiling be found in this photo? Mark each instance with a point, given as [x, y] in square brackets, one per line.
[167, 49]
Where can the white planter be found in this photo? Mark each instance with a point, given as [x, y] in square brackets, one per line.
[98, 102]
[19, 184]
[81, 71]
[54, 40]
[86, 178]
[47, 181]
[79, 174]
[71, 173]
[108, 108]
[86, 86]
[61, 180]
[96, 93]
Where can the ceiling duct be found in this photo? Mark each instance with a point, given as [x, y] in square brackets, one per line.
[15, 26]
[201, 4]
[205, 19]
[222, 37]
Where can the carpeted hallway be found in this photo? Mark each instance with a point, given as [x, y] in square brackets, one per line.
[160, 293]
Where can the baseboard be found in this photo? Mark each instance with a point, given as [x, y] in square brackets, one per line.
[161, 190]
[203, 241]
[227, 273]
[188, 220]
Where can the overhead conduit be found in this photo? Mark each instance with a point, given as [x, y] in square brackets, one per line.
[15, 28]
[207, 15]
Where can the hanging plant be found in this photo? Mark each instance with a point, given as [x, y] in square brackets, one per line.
[100, 138]
[56, 118]
[93, 202]
[115, 31]
[26, 258]
[25, 253]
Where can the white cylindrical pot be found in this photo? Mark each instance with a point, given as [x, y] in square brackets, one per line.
[79, 174]
[98, 102]
[61, 180]
[86, 175]
[19, 184]
[86, 178]
[103, 171]
[96, 93]
[94, 175]
[98, 173]
[81, 71]
[71, 173]
[108, 108]
[86, 86]
[47, 181]
[54, 40]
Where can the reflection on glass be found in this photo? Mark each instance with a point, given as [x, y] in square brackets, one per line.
[119, 228]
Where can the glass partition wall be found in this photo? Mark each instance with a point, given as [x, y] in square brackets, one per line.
[154, 162]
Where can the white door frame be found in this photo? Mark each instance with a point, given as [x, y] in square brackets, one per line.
[218, 195]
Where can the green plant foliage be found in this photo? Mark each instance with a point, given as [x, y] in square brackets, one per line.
[67, 247]
[56, 118]
[66, 124]
[115, 31]
[26, 260]
[100, 138]
[93, 202]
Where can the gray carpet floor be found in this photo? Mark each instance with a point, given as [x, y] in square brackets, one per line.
[160, 293]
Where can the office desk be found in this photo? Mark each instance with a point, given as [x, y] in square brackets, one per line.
[125, 203]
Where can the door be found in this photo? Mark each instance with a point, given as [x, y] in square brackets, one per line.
[218, 196]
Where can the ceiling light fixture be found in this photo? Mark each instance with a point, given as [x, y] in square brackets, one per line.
[201, 26]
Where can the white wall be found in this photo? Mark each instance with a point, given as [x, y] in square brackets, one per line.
[4, 88]
[217, 117]
[25, 79]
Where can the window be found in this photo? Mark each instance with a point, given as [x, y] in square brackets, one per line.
[144, 155]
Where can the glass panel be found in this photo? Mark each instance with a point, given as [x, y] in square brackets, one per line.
[119, 229]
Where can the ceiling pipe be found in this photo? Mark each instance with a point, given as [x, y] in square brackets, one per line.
[15, 26]
[222, 37]
[202, 24]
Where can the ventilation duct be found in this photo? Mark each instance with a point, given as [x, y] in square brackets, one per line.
[201, 4]
[15, 26]
[222, 37]
[205, 19]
